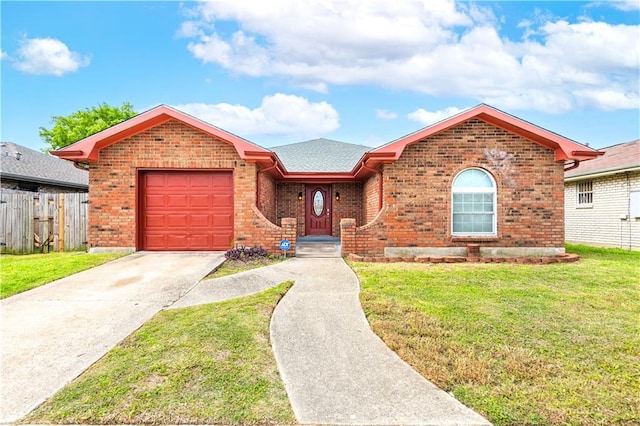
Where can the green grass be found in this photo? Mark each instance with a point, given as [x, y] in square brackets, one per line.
[210, 364]
[521, 344]
[20, 273]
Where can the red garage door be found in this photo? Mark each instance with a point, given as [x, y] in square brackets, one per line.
[186, 210]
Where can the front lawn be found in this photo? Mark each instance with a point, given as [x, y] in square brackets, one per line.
[20, 273]
[210, 364]
[521, 344]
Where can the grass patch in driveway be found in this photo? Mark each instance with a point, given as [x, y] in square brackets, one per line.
[521, 344]
[210, 364]
[20, 273]
[230, 267]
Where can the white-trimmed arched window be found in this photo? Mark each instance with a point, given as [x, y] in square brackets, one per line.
[474, 203]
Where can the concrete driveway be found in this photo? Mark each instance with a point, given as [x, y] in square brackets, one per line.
[51, 334]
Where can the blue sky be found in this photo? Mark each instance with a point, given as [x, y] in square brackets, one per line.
[362, 72]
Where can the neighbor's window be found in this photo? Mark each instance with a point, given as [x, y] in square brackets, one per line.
[585, 193]
[474, 203]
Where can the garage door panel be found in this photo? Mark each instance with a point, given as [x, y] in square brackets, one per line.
[155, 181]
[177, 221]
[201, 181]
[223, 201]
[223, 181]
[177, 180]
[224, 221]
[177, 201]
[223, 240]
[186, 210]
[155, 200]
[203, 201]
[155, 220]
[154, 242]
[201, 220]
[177, 241]
[200, 241]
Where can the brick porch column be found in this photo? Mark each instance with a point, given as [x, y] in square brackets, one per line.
[289, 227]
[348, 236]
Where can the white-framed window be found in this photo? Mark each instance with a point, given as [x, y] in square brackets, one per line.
[474, 199]
[585, 193]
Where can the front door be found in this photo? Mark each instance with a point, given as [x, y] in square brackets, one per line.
[318, 210]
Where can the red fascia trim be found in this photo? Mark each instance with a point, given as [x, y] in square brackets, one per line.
[90, 147]
[564, 148]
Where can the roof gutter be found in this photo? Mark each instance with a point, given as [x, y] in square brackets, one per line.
[44, 181]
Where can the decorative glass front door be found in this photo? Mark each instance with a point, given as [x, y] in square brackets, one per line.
[318, 210]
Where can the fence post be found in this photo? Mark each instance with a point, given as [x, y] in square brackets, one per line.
[60, 222]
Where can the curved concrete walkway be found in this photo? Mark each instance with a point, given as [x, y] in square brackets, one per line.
[335, 369]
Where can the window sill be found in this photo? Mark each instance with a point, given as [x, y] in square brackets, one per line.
[474, 238]
[584, 206]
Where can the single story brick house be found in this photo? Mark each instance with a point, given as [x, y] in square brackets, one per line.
[602, 199]
[164, 180]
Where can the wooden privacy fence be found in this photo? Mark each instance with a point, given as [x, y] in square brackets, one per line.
[42, 222]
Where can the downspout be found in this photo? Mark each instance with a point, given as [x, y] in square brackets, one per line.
[575, 165]
[629, 209]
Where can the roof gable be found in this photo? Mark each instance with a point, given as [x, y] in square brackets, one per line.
[21, 163]
[88, 149]
[565, 149]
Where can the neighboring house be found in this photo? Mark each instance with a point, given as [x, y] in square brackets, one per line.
[164, 180]
[602, 199]
[23, 169]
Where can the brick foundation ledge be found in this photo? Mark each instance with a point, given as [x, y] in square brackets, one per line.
[559, 258]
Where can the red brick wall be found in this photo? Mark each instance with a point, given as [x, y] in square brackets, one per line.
[267, 197]
[417, 191]
[113, 185]
[288, 204]
[348, 207]
[370, 198]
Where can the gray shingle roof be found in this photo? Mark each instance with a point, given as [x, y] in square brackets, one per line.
[21, 163]
[320, 155]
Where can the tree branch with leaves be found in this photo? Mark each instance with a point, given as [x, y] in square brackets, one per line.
[83, 123]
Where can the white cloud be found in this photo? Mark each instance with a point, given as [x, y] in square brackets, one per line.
[626, 5]
[48, 56]
[438, 48]
[426, 118]
[383, 114]
[279, 114]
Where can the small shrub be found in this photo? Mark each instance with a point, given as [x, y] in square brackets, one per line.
[246, 253]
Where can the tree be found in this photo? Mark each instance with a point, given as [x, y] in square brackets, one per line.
[69, 129]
